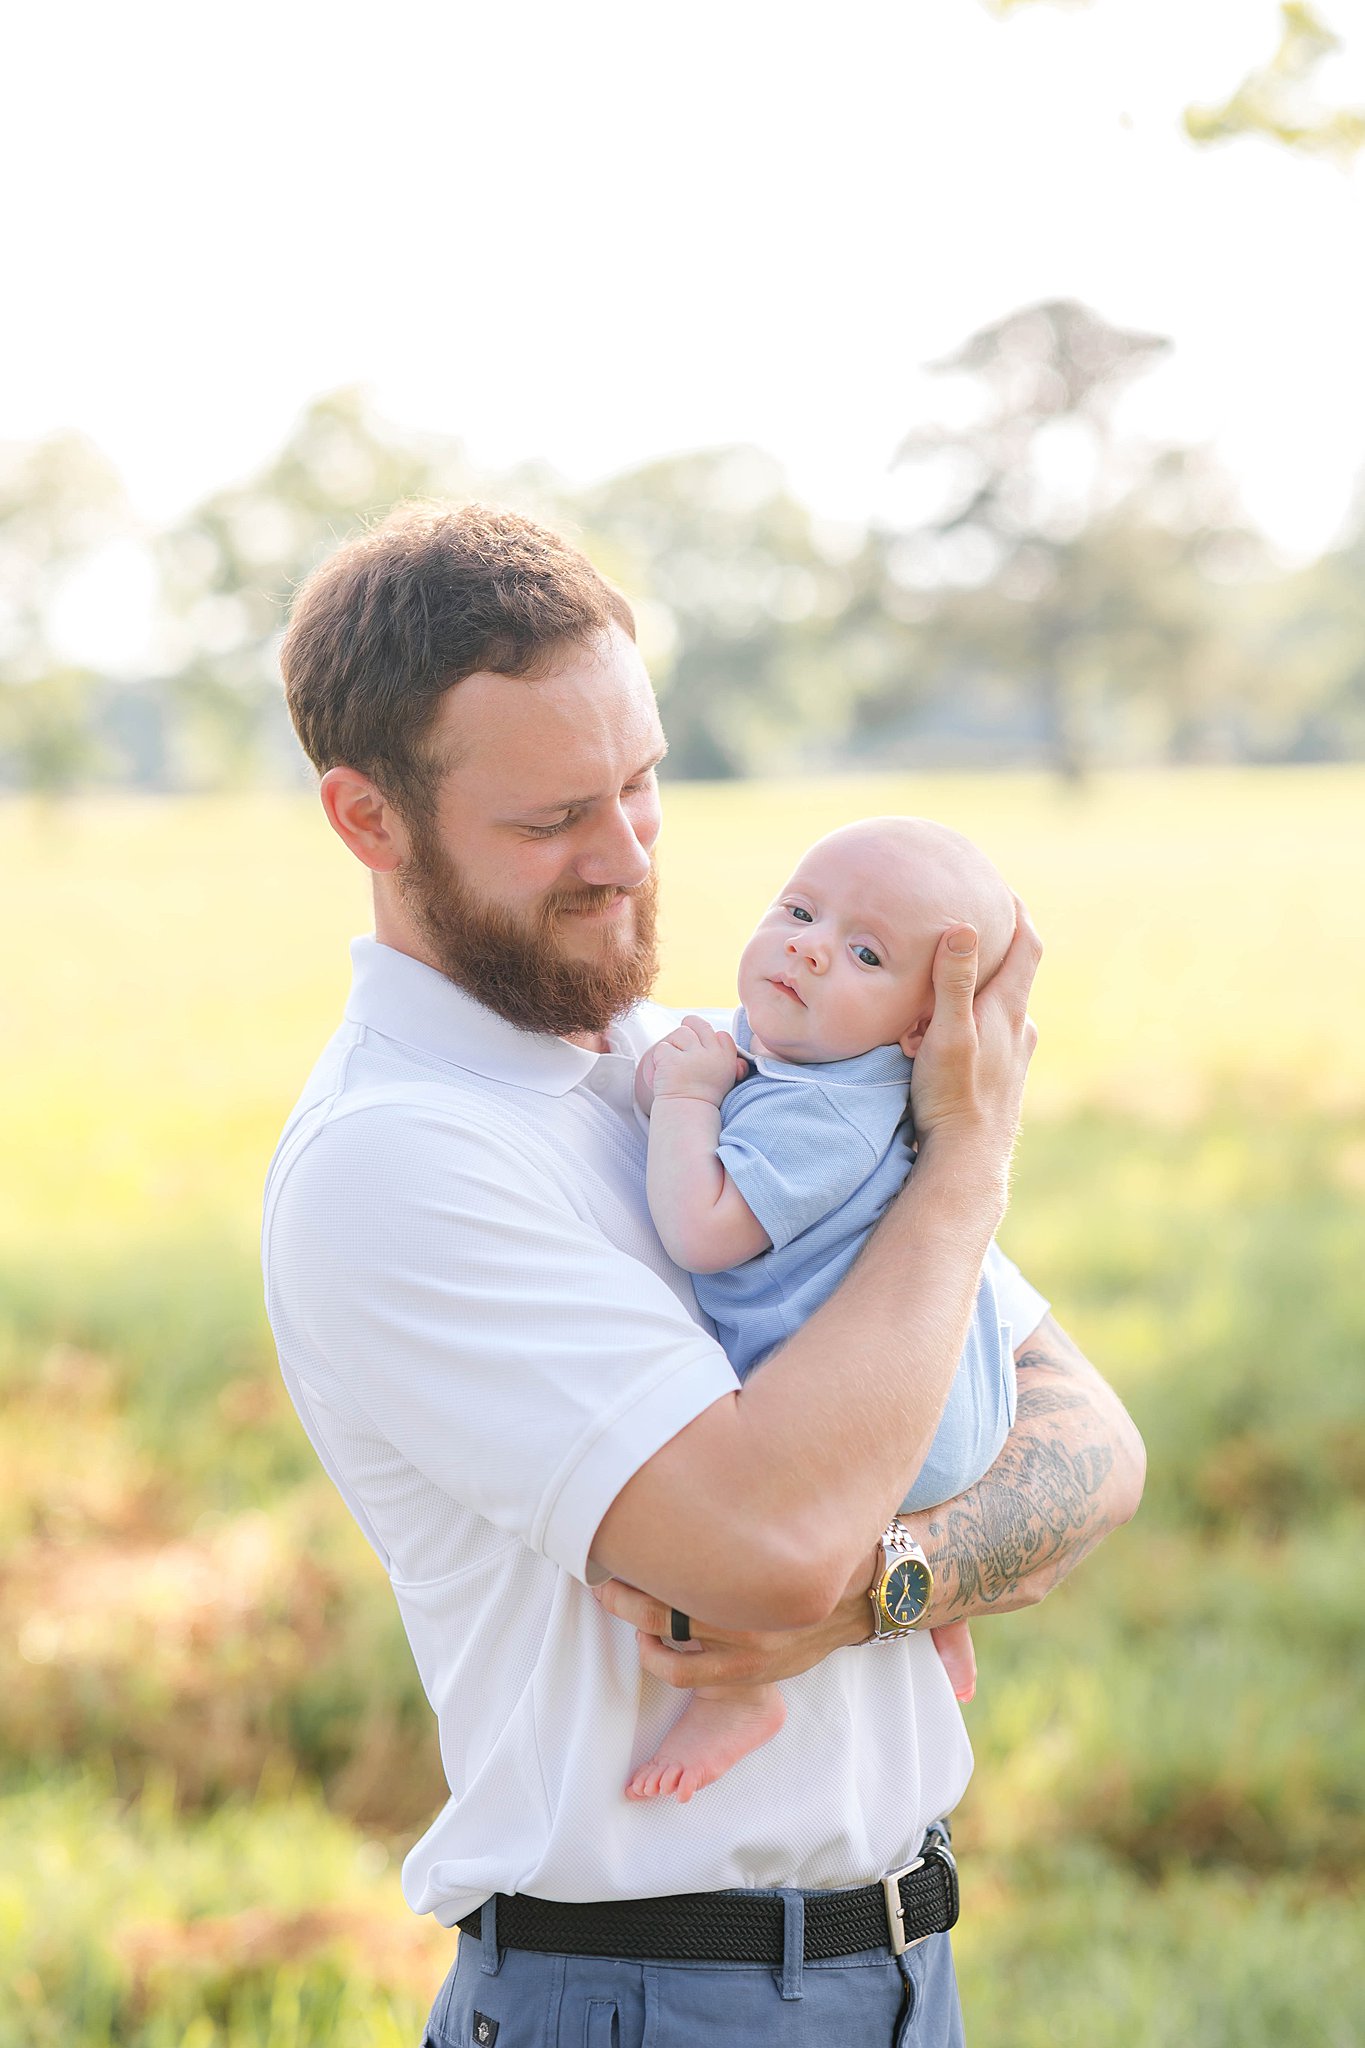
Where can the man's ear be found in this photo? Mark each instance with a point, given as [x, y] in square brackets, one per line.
[364, 820]
[913, 1039]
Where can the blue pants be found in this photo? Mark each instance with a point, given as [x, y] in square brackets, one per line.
[514, 1998]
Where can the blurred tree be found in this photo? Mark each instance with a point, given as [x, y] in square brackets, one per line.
[1313, 625]
[1276, 99]
[743, 605]
[60, 502]
[1188, 580]
[230, 567]
[1027, 548]
[1055, 589]
[1001, 8]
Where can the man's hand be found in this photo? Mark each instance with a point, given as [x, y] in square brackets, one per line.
[969, 1071]
[1071, 1471]
[696, 1062]
[725, 1656]
[718, 1656]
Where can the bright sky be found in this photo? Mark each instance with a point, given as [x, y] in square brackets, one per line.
[601, 230]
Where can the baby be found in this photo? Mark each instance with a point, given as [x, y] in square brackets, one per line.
[772, 1155]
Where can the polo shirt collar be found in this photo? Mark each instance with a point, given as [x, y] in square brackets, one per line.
[885, 1066]
[406, 1000]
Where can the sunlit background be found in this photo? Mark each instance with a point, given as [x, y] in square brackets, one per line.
[968, 398]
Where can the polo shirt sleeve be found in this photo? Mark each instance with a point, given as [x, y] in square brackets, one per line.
[1020, 1305]
[793, 1156]
[448, 1289]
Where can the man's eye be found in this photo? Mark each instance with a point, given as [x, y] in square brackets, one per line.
[802, 915]
[548, 831]
[866, 955]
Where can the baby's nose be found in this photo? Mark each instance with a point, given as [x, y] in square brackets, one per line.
[807, 949]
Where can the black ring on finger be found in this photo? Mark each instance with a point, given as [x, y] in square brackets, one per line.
[679, 1625]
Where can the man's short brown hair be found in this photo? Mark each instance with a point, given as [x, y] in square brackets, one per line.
[384, 627]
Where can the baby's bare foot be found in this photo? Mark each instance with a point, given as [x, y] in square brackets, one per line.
[715, 1732]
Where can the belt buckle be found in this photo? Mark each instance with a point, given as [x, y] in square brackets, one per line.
[937, 1850]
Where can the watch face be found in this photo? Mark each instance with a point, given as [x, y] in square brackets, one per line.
[905, 1591]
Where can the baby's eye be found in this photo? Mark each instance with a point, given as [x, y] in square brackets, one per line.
[866, 955]
[801, 914]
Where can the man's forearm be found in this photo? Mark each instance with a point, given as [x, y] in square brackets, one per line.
[840, 1446]
[1071, 1471]
[761, 1508]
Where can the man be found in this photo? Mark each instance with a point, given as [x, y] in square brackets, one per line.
[512, 1387]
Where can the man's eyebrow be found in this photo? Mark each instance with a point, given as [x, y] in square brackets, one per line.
[578, 803]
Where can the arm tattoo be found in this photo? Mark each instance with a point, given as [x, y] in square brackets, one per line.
[1042, 1506]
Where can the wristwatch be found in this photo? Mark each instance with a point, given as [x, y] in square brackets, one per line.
[901, 1591]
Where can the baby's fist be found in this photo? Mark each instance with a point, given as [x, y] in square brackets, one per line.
[644, 1081]
[697, 1062]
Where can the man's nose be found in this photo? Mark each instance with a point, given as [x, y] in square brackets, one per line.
[617, 857]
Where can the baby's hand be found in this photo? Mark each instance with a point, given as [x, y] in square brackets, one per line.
[696, 1061]
[644, 1080]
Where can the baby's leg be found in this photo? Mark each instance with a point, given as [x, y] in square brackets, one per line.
[722, 1723]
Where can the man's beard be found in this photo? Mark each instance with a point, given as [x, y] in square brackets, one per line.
[515, 965]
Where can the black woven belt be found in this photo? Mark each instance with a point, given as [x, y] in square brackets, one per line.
[739, 1927]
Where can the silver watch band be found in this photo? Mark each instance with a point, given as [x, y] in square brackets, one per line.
[897, 1542]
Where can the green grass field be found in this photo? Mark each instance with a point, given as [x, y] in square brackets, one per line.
[213, 1748]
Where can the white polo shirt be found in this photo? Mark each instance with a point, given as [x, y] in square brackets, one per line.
[485, 1339]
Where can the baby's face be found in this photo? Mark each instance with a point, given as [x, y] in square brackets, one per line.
[842, 961]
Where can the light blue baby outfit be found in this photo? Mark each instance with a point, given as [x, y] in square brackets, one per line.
[817, 1153]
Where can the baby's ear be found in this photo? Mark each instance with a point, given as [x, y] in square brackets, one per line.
[913, 1039]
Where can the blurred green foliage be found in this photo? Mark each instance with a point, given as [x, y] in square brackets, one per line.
[212, 1684]
[1052, 593]
[213, 1743]
[1279, 100]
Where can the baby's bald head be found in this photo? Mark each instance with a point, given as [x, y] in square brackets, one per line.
[942, 878]
[843, 960]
